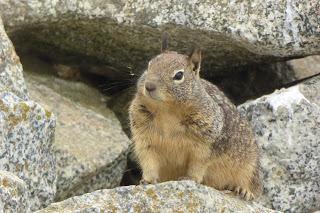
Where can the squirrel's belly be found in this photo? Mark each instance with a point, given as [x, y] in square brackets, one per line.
[175, 154]
[169, 140]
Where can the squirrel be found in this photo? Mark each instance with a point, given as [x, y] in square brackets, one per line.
[184, 127]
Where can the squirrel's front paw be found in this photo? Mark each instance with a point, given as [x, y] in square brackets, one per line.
[146, 182]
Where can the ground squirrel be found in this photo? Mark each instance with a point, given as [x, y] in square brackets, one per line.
[185, 127]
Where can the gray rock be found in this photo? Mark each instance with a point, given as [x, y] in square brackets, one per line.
[14, 195]
[90, 147]
[287, 126]
[11, 77]
[185, 196]
[26, 131]
[26, 136]
[124, 34]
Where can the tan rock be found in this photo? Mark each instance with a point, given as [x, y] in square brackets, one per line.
[91, 148]
[305, 67]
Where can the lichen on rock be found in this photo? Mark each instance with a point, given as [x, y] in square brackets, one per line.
[14, 195]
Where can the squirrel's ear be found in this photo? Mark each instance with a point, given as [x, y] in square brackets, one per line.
[164, 44]
[195, 59]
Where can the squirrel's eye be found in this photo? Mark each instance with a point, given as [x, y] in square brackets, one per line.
[178, 76]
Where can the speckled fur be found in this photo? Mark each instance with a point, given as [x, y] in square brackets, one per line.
[191, 130]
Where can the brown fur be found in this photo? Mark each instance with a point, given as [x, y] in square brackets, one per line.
[191, 130]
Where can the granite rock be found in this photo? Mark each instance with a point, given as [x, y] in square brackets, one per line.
[287, 124]
[90, 146]
[11, 77]
[185, 196]
[26, 131]
[123, 35]
[14, 195]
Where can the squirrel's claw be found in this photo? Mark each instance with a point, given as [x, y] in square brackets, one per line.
[244, 193]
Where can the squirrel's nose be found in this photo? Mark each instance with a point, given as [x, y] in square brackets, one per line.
[150, 86]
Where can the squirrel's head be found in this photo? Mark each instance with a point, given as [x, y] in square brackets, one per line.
[171, 76]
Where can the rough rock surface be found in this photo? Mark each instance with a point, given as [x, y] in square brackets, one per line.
[14, 195]
[287, 124]
[124, 34]
[26, 130]
[183, 196]
[90, 148]
[11, 77]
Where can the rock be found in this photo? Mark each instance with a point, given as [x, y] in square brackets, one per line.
[185, 196]
[287, 124]
[11, 77]
[26, 131]
[305, 67]
[123, 35]
[81, 92]
[91, 148]
[14, 195]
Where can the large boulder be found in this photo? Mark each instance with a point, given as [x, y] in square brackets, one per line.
[287, 127]
[14, 195]
[26, 131]
[183, 196]
[122, 35]
[90, 146]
